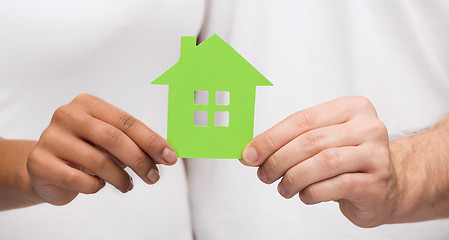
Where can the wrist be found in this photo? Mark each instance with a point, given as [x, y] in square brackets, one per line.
[22, 180]
[422, 178]
[16, 189]
[410, 189]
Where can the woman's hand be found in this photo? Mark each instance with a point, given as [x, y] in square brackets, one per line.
[335, 151]
[88, 143]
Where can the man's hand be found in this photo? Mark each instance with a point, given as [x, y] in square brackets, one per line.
[336, 151]
[88, 143]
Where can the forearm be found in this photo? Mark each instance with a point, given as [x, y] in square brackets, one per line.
[421, 163]
[16, 190]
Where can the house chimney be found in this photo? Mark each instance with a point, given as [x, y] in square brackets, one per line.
[187, 45]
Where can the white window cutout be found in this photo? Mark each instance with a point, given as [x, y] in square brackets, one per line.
[200, 118]
[222, 97]
[201, 97]
[221, 119]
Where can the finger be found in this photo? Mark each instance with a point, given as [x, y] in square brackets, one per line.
[97, 162]
[120, 145]
[148, 140]
[334, 112]
[327, 164]
[116, 160]
[344, 186]
[66, 177]
[306, 146]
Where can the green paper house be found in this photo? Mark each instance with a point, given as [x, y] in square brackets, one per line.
[211, 100]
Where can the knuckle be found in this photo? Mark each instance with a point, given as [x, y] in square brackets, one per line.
[151, 140]
[272, 165]
[330, 158]
[377, 128]
[127, 121]
[141, 165]
[112, 136]
[69, 178]
[289, 179]
[62, 112]
[269, 140]
[83, 98]
[51, 134]
[303, 120]
[310, 195]
[361, 102]
[312, 141]
[99, 161]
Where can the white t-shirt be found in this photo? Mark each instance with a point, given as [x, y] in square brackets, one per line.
[53, 50]
[394, 52]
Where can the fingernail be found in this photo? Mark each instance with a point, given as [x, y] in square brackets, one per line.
[282, 191]
[130, 186]
[250, 155]
[153, 176]
[261, 175]
[169, 156]
[300, 196]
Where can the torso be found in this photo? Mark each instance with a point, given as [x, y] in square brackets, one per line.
[52, 51]
[393, 52]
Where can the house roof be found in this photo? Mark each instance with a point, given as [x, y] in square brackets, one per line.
[212, 58]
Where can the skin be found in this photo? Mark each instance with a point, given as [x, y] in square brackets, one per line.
[340, 151]
[336, 151]
[89, 142]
